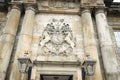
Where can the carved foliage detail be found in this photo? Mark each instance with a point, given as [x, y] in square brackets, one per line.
[57, 38]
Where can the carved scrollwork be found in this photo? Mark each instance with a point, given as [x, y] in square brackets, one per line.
[57, 38]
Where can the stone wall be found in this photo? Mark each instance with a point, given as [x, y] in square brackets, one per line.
[74, 22]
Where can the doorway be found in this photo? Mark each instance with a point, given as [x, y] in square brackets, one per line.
[56, 77]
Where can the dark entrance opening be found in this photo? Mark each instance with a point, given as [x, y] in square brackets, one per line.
[56, 77]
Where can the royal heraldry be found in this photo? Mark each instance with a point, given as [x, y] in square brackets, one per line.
[57, 38]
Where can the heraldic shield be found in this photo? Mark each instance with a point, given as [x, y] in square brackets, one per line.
[57, 38]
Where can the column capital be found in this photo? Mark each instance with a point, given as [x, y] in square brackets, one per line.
[16, 6]
[30, 7]
[99, 10]
[86, 9]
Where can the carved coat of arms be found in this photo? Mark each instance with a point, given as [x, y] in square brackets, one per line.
[57, 38]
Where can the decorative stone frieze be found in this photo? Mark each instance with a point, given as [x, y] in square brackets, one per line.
[59, 6]
[92, 3]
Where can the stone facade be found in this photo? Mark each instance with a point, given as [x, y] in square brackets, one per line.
[58, 36]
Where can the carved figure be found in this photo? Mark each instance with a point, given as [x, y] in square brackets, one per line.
[57, 38]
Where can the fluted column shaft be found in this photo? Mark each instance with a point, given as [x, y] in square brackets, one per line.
[24, 42]
[7, 39]
[108, 52]
[90, 42]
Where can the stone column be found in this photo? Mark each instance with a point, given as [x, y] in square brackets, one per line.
[90, 42]
[107, 50]
[24, 43]
[7, 39]
[25, 37]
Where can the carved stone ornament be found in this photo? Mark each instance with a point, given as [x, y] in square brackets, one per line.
[57, 38]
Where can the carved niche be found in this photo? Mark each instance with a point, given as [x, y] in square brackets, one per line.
[57, 39]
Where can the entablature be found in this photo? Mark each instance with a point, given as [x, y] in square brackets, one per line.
[92, 3]
[58, 6]
[61, 6]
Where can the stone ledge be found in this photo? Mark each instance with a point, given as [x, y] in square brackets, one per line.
[70, 58]
[58, 62]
